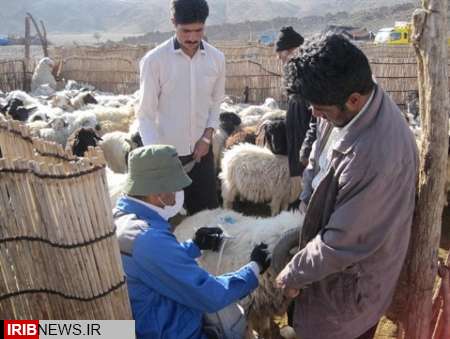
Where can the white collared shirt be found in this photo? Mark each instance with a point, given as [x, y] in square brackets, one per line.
[180, 96]
[336, 134]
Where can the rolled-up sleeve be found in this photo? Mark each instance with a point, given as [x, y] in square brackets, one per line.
[146, 112]
[218, 94]
[367, 205]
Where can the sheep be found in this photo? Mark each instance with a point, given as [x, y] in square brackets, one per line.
[256, 174]
[61, 100]
[73, 85]
[251, 120]
[43, 74]
[116, 146]
[56, 132]
[27, 100]
[35, 126]
[83, 99]
[271, 104]
[38, 116]
[19, 113]
[81, 139]
[242, 135]
[276, 114]
[228, 123]
[113, 119]
[281, 233]
[79, 119]
[15, 108]
[253, 111]
[272, 134]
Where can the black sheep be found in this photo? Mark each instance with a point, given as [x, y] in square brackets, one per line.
[88, 98]
[273, 135]
[12, 105]
[229, 122]
[80, 140]
[16, 110]
[136, 140]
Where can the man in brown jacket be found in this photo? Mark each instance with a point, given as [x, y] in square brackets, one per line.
[359, 194]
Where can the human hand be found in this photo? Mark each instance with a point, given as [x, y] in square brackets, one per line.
[208, 238]
[262, 256]
[280, 283]
[201, 149]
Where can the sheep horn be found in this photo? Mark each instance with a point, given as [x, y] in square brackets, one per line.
[280, 254]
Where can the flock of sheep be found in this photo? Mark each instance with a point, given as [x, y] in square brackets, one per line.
[250, 154]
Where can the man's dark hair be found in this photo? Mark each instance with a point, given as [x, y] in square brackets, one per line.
[330, 69]
[189, 11]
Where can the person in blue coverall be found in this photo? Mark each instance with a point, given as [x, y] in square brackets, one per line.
[169, 292]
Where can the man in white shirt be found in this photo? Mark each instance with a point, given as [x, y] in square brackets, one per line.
[182, 83]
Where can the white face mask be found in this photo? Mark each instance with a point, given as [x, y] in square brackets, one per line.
[167, 211]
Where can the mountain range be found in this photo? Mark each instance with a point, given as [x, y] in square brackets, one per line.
[141, 16]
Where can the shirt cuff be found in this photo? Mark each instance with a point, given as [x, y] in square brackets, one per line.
[254, 267]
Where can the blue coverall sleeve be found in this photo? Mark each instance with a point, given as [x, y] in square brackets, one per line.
[173, 273]
[191, 249]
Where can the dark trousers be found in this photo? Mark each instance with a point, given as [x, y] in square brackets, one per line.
[202, 193]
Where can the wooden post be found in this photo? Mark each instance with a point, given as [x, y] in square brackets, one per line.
[41, 36]
[430, 42]
[27, 38]
[26, 62]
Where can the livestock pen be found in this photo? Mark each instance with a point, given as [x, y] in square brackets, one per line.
[58, 251]
[115, 70]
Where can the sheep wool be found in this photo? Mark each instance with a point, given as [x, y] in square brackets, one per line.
[116, 146]
[246, 232]
[256, 174]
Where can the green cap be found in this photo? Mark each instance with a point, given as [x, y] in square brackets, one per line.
[155, 169]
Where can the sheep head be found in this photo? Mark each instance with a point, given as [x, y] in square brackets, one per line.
[229, 121]
[80, 140]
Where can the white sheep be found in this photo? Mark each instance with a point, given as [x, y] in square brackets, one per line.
[56, 132]
[253, 111]
[43, 74]
[80, 119]
[82, 99]
[113, 119]
[116, 146]
[273, 115]
[246, 232]
[28, 100]
[271, 104]
[254, 173]
[61, 100]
